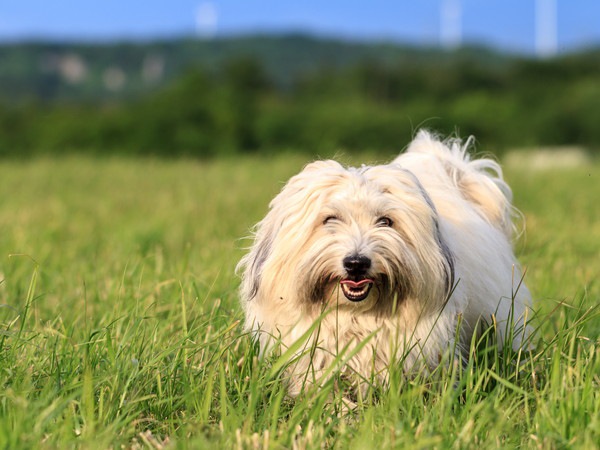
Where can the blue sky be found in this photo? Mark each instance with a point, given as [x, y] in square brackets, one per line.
[507, 24]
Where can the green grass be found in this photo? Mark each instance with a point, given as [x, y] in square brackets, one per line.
[119, 322]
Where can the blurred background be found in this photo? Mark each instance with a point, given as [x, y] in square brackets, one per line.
[206, 78]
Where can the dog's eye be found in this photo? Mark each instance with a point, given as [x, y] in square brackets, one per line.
[384, 222]
[330, 219]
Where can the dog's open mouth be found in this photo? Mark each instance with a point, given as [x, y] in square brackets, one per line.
[356, 291]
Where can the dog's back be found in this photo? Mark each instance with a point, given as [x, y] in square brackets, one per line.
[474, 204]
[479, 181]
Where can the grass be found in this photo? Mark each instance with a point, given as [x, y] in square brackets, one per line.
[120, 328]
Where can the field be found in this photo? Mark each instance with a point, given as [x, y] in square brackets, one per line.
[120, 327]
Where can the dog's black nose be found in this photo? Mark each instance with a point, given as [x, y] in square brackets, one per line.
[357, 265]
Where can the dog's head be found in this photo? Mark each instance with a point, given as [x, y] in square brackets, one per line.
[364, 238]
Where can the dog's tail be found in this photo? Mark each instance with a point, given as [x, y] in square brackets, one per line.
[480, 181]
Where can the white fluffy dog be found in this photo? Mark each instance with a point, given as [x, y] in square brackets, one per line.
[384, 264]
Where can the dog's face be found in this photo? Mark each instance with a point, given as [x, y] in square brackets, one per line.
[362, 238]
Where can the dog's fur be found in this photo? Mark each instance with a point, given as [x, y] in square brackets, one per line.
[433, 230]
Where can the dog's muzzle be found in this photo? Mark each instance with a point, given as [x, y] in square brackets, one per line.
[357, 285]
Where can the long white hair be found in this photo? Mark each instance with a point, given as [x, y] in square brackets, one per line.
[432, 233]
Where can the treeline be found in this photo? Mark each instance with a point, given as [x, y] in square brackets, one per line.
[369, 105]
[67, 71]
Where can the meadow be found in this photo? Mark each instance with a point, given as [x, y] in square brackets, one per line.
[120, 325]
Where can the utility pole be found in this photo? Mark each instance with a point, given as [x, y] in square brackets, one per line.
[546, 39]
[451, 24]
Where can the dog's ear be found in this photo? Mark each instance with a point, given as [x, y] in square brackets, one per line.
[266, 231]
[251, 265]
[448, 257]
[480, 181]
[449, 261]
[295, 203]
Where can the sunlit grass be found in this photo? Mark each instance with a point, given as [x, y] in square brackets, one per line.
[119, 322]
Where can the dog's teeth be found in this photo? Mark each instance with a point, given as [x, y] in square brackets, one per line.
[356, 293]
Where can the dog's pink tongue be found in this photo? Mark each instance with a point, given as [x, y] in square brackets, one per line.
[356, 284]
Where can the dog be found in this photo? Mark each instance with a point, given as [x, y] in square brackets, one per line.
[362, 268]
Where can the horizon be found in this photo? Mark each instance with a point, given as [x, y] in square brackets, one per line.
[301, 34]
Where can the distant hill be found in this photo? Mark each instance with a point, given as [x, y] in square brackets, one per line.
[52, 71]
[206, 98]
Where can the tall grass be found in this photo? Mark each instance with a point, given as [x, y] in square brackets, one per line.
[119, 322]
